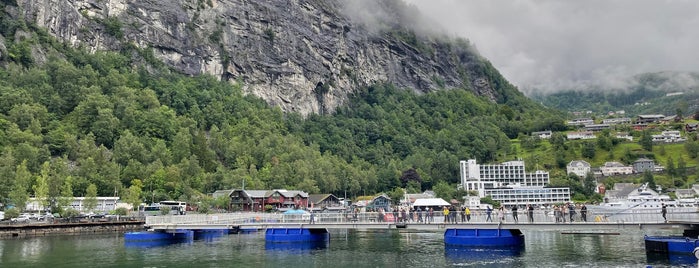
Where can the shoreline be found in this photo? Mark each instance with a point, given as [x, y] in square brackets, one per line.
[78, 228]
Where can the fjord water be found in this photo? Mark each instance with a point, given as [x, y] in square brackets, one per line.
[370, 248]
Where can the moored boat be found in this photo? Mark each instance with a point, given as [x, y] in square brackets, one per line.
[484, 237]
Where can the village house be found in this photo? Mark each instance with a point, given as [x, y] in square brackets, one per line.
[584, 135]
[322, 202]
[580, 122]
[542, 134]
[616, 121]
[615, 168]
[257, 200]
[670, 136]
[624, 135]
[649, 118]
[579, 168]
[596, 127]
[643, 164]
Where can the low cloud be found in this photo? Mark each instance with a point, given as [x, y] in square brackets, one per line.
[546, 46]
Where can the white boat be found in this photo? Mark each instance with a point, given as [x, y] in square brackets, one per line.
[647, 202]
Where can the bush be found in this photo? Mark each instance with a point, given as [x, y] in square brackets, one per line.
[164, 210]
[11, 213]
[120, 211]
[70, 213]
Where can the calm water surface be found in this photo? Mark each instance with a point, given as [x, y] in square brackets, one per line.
[372, 248]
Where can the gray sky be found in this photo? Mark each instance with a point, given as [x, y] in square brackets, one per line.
[549, 45]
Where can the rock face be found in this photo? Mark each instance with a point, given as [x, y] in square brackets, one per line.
[304, 56]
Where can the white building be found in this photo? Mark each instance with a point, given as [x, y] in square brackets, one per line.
[580, 122]
[624, 135]
[542, 134]
[104, 204]
[616, 121]
[578, 167]
[510, 184]
[615, 168]
[583, 135]
[669, 137]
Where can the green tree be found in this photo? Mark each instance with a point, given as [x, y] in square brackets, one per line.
[133, 194]
[66, 197]
[589, 184]
[670, 167]
[588, 150]
[692, 148]
[396, 195]
[91, 197]
[20, 195]
[41, 186]
[648, 178]
[646, 141]
[443, 190]
[682, 169]
[7, 176]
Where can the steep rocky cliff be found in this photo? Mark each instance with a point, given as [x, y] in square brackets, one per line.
[302, 55]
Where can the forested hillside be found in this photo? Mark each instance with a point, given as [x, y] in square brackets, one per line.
[78, 123]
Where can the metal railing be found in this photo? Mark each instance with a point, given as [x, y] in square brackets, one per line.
[242, 218]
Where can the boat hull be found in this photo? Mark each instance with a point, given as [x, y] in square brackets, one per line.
[277, 235]
[671, 244]
[484, 237]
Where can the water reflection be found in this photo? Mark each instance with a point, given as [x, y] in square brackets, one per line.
[298, 247]
[482, 255]
[674, 259]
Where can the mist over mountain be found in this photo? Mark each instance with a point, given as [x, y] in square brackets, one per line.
[648, 93]
[550, 46]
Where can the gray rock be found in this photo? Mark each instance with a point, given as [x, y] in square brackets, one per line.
[304, 56]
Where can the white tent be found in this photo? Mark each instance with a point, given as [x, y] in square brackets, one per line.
[430, 202]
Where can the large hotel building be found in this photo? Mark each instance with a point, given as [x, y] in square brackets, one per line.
[509, 183]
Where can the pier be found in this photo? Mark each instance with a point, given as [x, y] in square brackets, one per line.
[364, 221]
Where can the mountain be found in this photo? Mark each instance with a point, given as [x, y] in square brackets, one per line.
[649, 93]
[304, 56]
[175, 99]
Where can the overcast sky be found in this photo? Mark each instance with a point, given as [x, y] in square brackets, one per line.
[556, 44]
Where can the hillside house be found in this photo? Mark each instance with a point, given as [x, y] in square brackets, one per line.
[616, 121]
[643, 164]
[596, 127]
[580, 122]
[624, 135]
[670, 136]
[579, 168]
[615, 168]
[542, 134]
[649, 118]
[584, 135]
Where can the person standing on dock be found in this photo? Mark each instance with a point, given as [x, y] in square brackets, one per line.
[445, 211]
[501, 214]
[583, 213]
[571, 211]
[488, 212]
[514, 214]
[530, 213]
[467, 212]
[663, 211]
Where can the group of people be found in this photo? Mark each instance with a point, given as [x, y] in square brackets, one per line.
[529, 209]
[569, 210]
[562, 213]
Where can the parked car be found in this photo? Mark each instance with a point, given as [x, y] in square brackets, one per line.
[21, 218]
